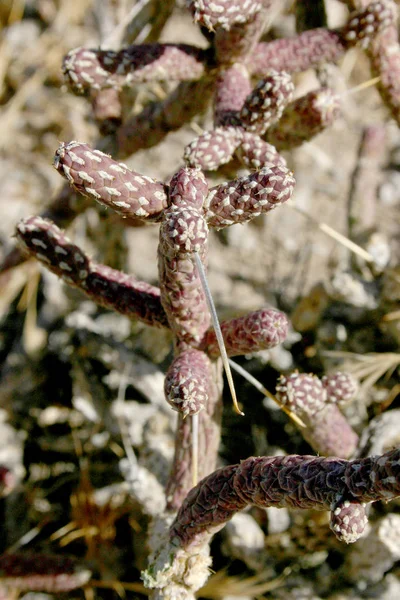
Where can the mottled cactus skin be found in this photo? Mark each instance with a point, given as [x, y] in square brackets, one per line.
[106, 286]
[233, 85]
[213, 14]
[183, 232]
[244, 198]
[340, 387]
[113, 184]
[261, 330]
[304, 118]
[86, 70]
[289, 481]
[326, 429]
[187, 381]
[266, 102]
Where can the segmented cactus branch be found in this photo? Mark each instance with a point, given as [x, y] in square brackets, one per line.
[107, 287]
[289, 481]
[316, 404]
[113, 184]
[261, 330]
[85, 70]
[247, 197]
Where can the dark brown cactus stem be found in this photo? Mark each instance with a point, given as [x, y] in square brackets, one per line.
[106, 286]
[289, 481]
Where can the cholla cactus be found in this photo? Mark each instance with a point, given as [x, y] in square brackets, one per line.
[316, 404]
[254, 124]
[185, 209]
[235, 55]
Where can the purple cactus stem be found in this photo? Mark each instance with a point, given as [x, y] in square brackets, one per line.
[237, 42]
[255, 153]
[243, 199]
[97, 175]
[317, 46]
[213, 148]
[232, 88]
[105, 286]
[304, 118]
[326, 429]
[219, 13]
[41, 572]
[288, 481]
[187, 382]
[85, 69]
[183, 231]
[384, 53]
[302, 393]
[340, 387]
[260, 330]
[265, 104]
[309, 49]
[188, 187]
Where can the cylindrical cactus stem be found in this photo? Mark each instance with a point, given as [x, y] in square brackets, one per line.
[317, 46]
[232, 88]
[326, 429]
[220, 13]
[237, 42]
[307, 50]
[157, 119]
[42, 572]
[243, 199]
[255, 153]
[187, 382]
[260, 330]
[183, 232]
[365, 24]
[213, 148]
[288, 481]
[107, 287]
[384, 53]
[209, 431]
[340, 387]
[88, 70]
[265, 104]
[304, 118]
[111, 183]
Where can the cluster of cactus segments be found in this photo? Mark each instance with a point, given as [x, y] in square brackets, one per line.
[255, 117]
